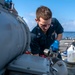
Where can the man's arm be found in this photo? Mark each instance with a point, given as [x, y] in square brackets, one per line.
[59, 31]
[59, 37]
[36, 54]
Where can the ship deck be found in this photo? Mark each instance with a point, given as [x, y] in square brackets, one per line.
[64, 44]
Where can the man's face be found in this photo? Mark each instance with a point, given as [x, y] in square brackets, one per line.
[44, 24]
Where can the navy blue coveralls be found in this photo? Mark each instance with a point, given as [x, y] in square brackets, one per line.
[41, 41]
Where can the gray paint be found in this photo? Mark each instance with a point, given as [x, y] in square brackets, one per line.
[2, 1]
[14, 36]
[30, 64]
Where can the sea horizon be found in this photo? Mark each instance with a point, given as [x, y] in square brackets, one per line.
[69, 34]
[69, 31]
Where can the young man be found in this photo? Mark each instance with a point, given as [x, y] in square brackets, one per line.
[44, 34]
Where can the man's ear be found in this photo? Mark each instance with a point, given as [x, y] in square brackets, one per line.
[36, 20]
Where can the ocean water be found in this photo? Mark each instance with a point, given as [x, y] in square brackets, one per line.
[69, 35]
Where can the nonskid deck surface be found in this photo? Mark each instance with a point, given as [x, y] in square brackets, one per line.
[65, 43]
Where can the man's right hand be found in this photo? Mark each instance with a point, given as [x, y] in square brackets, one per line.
[36, 54]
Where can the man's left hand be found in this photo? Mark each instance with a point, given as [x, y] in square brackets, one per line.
[55, 46]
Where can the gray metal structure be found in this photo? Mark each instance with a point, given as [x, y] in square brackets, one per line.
[14, 36]
[14, 41]
[31, 64]
[2, 1]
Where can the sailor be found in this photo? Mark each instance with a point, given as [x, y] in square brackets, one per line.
[47, 33]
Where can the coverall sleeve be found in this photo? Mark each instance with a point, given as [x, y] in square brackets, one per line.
[58, 28]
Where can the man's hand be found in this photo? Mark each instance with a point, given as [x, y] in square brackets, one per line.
[36, 54]
[55, 46]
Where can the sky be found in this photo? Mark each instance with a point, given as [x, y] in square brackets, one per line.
[63, 10]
